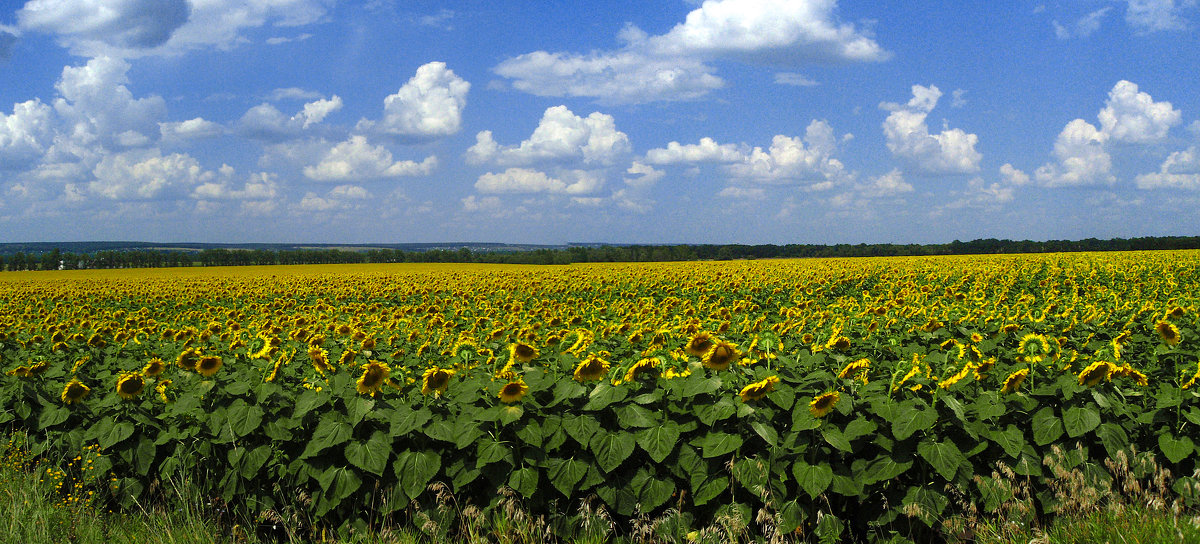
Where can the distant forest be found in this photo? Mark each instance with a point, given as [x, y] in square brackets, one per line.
[92, 255]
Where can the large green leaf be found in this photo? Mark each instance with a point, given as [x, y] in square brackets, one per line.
[709, 490]
[1176, 449]
[1047, 427]
[1010, 439]
[1078, 421]
[490, 450]
[835, 438]
[1114, 438]
[565, 474]
[884, 468]
[330, 432]
[115, 434]
[612, 448]
[633, 416]
[604, 394]
[525, 481]
[52, 415]
[717, 411]
[243, 418]
[925, 504]
[404, 421]
[717, 443]
[944, 457]
[415, 469]
[813, 479]
[912, 416]
[581, 428]
[765, 431]
[660, 441]
[372, 455]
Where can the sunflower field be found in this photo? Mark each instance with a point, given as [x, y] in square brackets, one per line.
[867, 398]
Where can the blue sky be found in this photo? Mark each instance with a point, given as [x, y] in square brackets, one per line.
[730, 121]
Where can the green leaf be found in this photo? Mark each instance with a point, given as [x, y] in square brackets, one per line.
[143, 456]
[329, 433]
[442, 430]
[717, 443]
[836, 439]
[883, 469]
[612, 449]
[1078, 421]
[926, 504]
[405, 421]
[944, 457]
[752, 473]
[1046, 427]
[859, 427]
[509, 414]
[530, 433]
[709, 490]
[414, 471]
[524, 481]
[253, 461]
[372, 455]
[490, 450]
[912, 416]
[565, 474]
[243, 418]
[357, 408]
[659, 442]
[765, 431]
[813, 479]
[1176, 449]
[717, 411]
[1113, 437]
[791, 517]
[696, 385]
[604, 394]
[1010, 439]
[52, 415]
[648, 491]
[829, 528]
[581, 428]
[632, 415]
[309, 400]
[115, 434]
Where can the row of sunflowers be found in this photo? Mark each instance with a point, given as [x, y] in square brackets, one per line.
[841, 396]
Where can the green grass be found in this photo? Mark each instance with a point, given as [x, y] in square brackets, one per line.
[1126, 524]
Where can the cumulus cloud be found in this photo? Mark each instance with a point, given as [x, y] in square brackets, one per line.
[708, 150]
[1013, 175]
[1157, 15]
[525, 180]
[266, 122]
[97, 104]
[952, 151]
[794, 159]
[889, 184]
[90, 28]
[428, 106]
[146, 175]
[1132, 116]
[675, 65]
[646, 175]
[560, 136]
[473, 203]
[1082, 158]
[25, 134]
[192, 129]
[980, 194]
[259, 186]
[1181, 170]
[356, 159]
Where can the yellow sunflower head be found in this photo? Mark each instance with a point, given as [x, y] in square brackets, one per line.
[435, 380]
[209, 365]
[74, 391]
[1095, 373]
[374, 375]
[513, 391]
[1033, 347]
[641, 367]
[856, 368]
[720, 355]
[522, 352]
[154, 367]
[822, 404]
[591, 369]
[1168, 332]
[758, 390]
[162, 390]
[838, 342]
[699, 344]
[188, 359]
[1014, 380]
[130, 384]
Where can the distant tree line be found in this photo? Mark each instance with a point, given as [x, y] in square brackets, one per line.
[146, 258]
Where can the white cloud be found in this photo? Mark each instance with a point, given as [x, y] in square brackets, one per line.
[646, 175]
[475, 204]
[146, 175]
[266, 122]
[957, 98]
[673, 66]
[632, 200]
[708, 150]
[794, 79]
[220, 23]
[789, 159]
[525, 180]
[285, 39]
[89, 28]
[1081, 155]
[350, 192]
[1084, 27]
[1013, 176]
[951, 151]
[259, 186]
[889, 184]
[1181, 170]
[293, 93]
[25, 134]
[1157, 15]
[315, 112]
[560, 136]
[97, 106]
[1132, 116]
[428, 106]
[743, 193]
[357, 159]
[192, 129]
[980, 194]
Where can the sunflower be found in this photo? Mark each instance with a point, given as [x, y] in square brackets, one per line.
[758, 390]
[347, 357]
[1013, 381]
[720, 355]
[1033, 347]
[838, 342]
[320, 359]
[1095, 373]
[958, 376]
[823, 403]
[513, 391]
[435, 380]
[373, 377]
[591, 369]
[522, 352]
[130, 385]
[984, 367]
[1126, 371]
[154, 367]
[857, 367]
[641, 367]
[74, 392]
[188, 359]
[1168, 332]
[209, 365]
[699, 344]
[161, 388]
